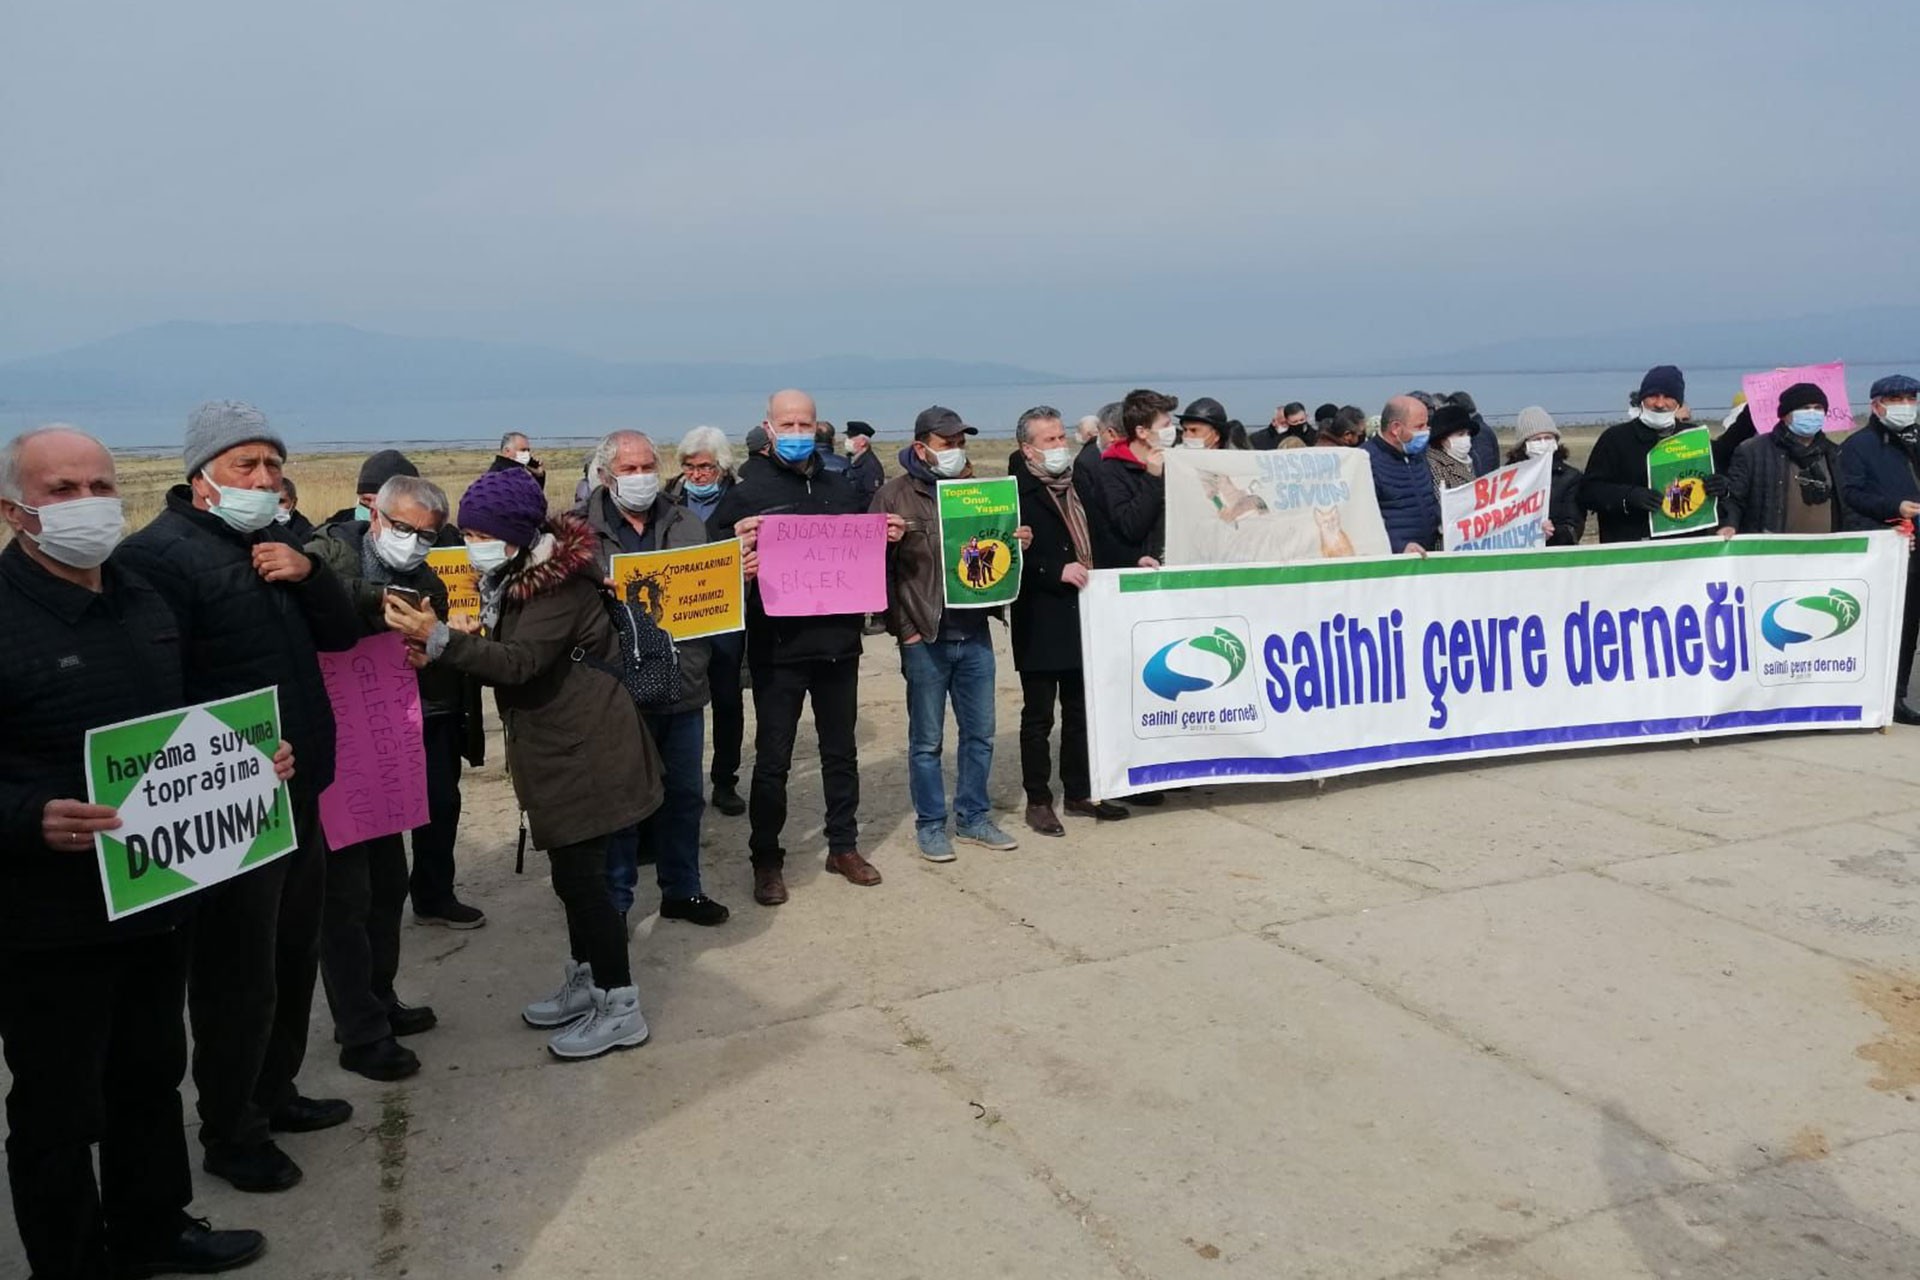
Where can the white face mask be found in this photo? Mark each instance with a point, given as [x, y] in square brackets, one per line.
[1544, 445]
[1056, 461]
[1901, 416]
[80, 532]
[1460, 446]
[636, 492]
[523, 457]
[400, 551]
[283, 516]
[487, 557]
[1168, 436]
[948, 463]
[1659, 419]
[244, 510]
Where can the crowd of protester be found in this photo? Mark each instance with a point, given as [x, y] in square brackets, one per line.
[230, 589]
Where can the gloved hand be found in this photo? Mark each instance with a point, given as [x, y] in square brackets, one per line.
[1643, 500]
[1716, 485]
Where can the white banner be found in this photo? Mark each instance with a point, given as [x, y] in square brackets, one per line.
[1234, 506]
[1244, 673]
[1500, 511]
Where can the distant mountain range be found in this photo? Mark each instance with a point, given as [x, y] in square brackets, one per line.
[1876, 335]
[336, 364]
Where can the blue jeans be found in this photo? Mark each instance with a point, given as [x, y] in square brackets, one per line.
[672, 833]
[936, 670]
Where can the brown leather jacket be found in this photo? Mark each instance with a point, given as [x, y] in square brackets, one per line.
[914, 598]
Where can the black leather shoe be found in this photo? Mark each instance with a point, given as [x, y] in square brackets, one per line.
[1099, 810]
[411, 1019]
[699, 909]
[261, 1168]
[1147, 800]
[1904, 714]
[384, 1060]
[198, 1250]
[728, 801]
[310, 1115]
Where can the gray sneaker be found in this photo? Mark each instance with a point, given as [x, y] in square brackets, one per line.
[573, 1001]
[613, 1022]
[985, 834]
[934, 845]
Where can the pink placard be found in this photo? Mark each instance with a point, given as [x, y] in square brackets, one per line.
[814, 565]
[1763, 394]
[379, 761]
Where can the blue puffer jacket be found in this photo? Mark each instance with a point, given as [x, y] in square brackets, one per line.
[1408, 505]
[1876, 476]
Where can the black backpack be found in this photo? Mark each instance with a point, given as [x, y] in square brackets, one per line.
[649, 663]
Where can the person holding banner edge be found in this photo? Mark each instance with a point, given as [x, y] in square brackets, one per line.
[1046, 624]
[1566, 520]
[111, 1076]
[629, 513]
[254, 609]
[946, 654]
[1402, 481]
[1880, 485]
[1787, 481]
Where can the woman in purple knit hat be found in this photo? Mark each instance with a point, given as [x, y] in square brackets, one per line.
[581, 764]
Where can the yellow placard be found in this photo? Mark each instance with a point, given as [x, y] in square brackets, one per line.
[690, 593]
[456, 572]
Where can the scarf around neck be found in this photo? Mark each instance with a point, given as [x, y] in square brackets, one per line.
[1067, 501]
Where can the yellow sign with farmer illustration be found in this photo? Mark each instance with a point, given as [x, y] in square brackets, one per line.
[690, 592]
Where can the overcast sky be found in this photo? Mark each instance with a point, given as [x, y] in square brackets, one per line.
[1088, 188]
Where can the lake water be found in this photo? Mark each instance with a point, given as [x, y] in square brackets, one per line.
[1572, 397]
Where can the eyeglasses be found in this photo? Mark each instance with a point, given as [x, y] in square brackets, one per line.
[402, 528]
[700, 468]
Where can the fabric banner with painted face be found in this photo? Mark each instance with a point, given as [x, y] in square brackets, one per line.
[1230, 506]
[979, 554]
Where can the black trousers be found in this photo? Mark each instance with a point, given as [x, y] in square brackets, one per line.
[1039, 690]
[360, 936]
[256, 953]
[779, 691]
[1909, 628]
[595, 933]
[431, 886]
[729, 708]
[106, 1069]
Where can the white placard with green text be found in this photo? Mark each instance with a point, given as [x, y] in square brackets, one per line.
[197, 796]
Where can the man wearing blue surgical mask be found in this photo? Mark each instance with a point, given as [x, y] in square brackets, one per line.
[795, 660]
[1787, 481]
[1402, 480]
[254, 609]
[629, 513]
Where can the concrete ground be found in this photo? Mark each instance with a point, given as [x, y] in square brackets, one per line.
[1591, 1016]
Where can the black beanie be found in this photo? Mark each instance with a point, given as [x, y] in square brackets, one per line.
[1801, 395]
[1664, 380]
[382, 467]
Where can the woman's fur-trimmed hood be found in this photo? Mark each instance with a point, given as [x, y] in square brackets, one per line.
[565, 549]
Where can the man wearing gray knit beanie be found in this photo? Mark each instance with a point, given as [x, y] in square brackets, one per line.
[253, 609]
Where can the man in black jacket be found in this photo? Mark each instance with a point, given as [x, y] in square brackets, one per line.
[1289, 423]
[86, 644]
[1880, 484]
[253, 609]
[517, 451]
[1046, 623]
[868, 473]
[1130, 519]
[797, 659]
[1615, 488]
